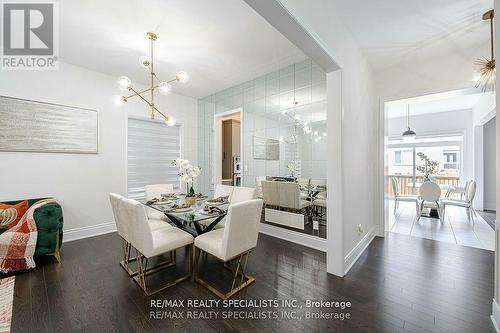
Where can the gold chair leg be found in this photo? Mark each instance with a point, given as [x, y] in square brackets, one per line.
[245, 280]
[57, 255]
[127, 260]
[143, 271]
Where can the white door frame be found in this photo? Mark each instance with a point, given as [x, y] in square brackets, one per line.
[217, 161]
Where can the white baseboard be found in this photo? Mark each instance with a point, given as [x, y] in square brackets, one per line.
[495, 316]
[353, 256]
[90, 231]
[314, 242]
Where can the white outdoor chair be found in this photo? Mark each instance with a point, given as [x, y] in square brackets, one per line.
[154, 192]
[151, 243]
[466, 203]
[406, 198]
[430, 193]
[234, 242]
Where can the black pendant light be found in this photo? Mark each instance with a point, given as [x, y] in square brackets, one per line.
[409, 134]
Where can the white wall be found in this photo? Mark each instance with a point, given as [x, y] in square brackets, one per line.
[358, 132]
[489, 136]
[441, 123]
[81, 182]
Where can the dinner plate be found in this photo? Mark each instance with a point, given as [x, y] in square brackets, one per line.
[181, 210]
[215, 204]
[202, 212]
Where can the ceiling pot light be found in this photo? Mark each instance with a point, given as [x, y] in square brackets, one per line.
[164, 88]
[409, 134]
[123, 83]
[182, 77]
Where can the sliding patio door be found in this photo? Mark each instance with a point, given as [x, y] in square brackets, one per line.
[439, 156]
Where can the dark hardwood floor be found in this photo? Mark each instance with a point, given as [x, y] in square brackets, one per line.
[399, 284]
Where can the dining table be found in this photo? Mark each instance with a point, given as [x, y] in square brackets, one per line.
[194, 219]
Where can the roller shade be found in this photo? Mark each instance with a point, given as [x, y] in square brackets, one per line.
[152, 146]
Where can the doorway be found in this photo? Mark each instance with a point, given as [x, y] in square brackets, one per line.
[228, 148]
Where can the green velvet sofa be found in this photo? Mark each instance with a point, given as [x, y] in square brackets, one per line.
[49, 223]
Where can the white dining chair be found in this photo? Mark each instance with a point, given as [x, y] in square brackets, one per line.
[234, 242]
[223, 191]
[155, 191]
[429, 194]
[241, 194]
[123, 229]
[405, 198]
[258, 185]
[466, 203]
[151, 243]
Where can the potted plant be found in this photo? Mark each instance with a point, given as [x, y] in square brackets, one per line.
[188, 173]
[430, 167]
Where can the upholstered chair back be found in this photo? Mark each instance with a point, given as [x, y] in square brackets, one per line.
[138, 226]
[258, 184]
[430, 191]
[319, 182]
[119, 214]
[271, 192]
[156, 190]
[242, 228]
[471, 192]
[289, 195]
[241, 194]
[223, 191]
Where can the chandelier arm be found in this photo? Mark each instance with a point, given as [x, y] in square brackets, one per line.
[164, 116]
[170, 81]
[139, 92]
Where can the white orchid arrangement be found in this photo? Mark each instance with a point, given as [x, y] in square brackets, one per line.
[292, 167]
[188, 173]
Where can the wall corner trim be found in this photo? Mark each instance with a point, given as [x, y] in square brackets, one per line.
[357, 251]
[90, 231]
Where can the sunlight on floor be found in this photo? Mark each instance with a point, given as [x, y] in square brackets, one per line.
[455, 229]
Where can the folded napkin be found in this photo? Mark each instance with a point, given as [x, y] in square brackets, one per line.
[152, 201]
[213, 210]
[219, 199]
[177, 206]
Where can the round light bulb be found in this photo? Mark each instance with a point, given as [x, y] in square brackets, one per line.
[324, 134]
[164, 88]
[182, 77]
[119, 100]
[170, 121]
[123, 83]
[145, 61]
[315, 132]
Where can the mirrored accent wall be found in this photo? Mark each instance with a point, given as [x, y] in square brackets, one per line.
[283, 133]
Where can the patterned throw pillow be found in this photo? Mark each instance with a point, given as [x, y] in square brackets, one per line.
[11, 214]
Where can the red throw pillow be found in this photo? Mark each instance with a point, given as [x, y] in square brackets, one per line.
[11, 214]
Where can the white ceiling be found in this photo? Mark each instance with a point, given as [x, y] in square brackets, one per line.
[220, 43]
[390, 31]
[442, 102]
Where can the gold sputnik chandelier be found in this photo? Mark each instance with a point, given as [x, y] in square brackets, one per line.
[487, 66]
[164, 87]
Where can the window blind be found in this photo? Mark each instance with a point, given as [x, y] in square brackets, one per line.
[152, 146]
